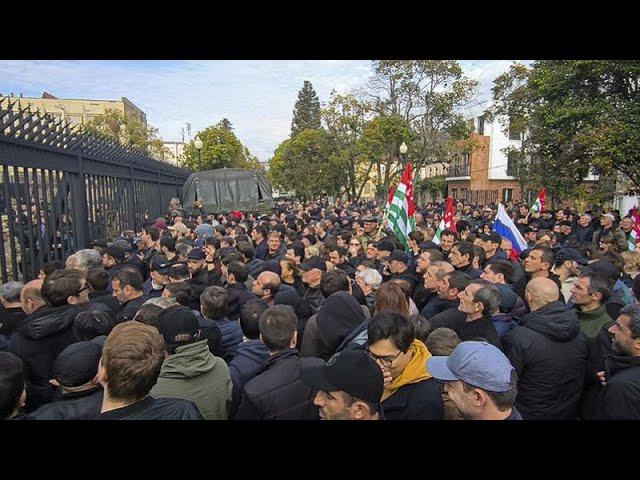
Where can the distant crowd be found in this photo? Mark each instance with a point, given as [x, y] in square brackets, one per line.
[318, 311]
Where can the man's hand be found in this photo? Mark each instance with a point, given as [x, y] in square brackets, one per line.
[602, 378]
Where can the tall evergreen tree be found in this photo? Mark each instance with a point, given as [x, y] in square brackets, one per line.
[306, 112]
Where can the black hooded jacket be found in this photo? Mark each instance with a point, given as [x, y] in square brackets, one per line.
[550, 355]
[38, 340]
[337, 317]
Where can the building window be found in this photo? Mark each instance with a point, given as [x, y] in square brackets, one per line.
[481, 125]
[454, 192]
[507, 194]
[512, 164]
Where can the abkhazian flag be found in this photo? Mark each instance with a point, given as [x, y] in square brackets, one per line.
[538, 206]
[401, 212]
[634, 236]
[447, 221]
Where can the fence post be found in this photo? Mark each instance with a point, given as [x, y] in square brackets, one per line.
[79, 206]
[132, 200]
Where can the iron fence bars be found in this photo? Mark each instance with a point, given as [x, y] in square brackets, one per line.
[63, 186]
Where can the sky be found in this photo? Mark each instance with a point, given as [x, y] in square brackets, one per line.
[256, 96]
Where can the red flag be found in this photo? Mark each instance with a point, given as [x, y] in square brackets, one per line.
[406, 179]
[543, 199]
[390, 196]
[636, 220]
[449, 216]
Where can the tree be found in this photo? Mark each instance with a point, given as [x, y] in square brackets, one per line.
[220, 149]
[588, 113]
[306, 112]
[308, 164]
[576, 116]
[513, 105]
[380, 142]
[129, 131]
[427, 95]
[434, 186]
[345, 117]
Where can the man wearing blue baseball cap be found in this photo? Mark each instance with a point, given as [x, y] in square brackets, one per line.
[479, 380]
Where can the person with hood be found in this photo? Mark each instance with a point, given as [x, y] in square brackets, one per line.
[550, 356]
[337, 317]
[74, 374]
[252, 354]
[620, 399]
[190, 371]
[52, 305]
[410, 392]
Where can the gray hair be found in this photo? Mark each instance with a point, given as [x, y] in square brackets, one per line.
[633, 312]
[161, 302]
[184, 249]
[489, 295]
[371, 277]
[10, 291]
[442, 269]
[88, 258]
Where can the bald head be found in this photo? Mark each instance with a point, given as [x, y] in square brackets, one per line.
[30, 296]
[540, 292]
[266, 285]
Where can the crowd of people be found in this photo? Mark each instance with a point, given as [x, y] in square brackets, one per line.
[317, 311]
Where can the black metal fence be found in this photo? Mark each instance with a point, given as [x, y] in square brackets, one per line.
[61, 187]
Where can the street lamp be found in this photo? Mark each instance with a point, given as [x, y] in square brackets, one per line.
[403, 153]
[198, 144]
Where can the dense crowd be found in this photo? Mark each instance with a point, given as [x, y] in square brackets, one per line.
[317, 311]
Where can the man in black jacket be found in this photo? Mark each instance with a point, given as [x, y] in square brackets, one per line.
[337, 256]
[239, 294]
[131, 361]
[461, 257]
[313, 268]
[478, 301]
[128, 289]
[40, 337]
[549, 354]
[449, 287]
[278, 392]
[620, 399]
[11, 313]
[100, 280]
[74, 373]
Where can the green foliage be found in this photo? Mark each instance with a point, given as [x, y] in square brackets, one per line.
[433, 186]
[308, 164]
[129, 131]
[306, 112]
[220, 149]
[578, 115]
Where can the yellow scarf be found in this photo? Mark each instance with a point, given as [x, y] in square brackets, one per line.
[414, 372]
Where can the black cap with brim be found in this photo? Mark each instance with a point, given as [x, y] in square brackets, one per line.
[313, 262]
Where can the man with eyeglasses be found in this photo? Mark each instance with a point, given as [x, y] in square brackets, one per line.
[46, 331]
[410, 392]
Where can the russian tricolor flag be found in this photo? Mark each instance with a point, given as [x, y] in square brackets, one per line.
[506, 228]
